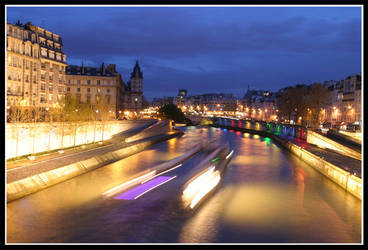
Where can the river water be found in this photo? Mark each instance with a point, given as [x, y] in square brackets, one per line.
[265, 196]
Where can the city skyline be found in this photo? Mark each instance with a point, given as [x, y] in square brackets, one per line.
[209, 49]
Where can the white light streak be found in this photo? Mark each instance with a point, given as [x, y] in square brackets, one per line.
[205, 190]
[154, 187]
[201, 185]
[115, 189]
[230, 154]
[161, 173]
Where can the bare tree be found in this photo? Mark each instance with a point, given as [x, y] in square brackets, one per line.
[315, 101]
[302, 101]
[103, 113]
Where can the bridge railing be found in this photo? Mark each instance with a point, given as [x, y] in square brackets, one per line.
[282, 130]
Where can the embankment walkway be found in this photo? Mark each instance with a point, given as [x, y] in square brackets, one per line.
[56, 160]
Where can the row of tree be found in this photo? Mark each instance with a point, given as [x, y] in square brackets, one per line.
[69, 110]
[305, 101]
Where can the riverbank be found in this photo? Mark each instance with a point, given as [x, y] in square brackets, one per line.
[343, 178]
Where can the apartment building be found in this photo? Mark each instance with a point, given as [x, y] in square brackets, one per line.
[347, 101]
[92, 85]
[35, 65]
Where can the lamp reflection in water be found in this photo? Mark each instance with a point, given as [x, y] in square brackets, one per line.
[200, 186]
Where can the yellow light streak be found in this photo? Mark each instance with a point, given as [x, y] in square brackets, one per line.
[201, 185]
[204, 190]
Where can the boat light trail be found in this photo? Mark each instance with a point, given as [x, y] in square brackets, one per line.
[201, 185]
[207, 187]
[140, 190]
[161, 173]
[227, 157]
[155, 187]
[129, 183]
[196, 183]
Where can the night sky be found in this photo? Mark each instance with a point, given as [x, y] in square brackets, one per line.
[209, 49]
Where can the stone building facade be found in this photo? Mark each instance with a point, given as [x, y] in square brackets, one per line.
[35, 67]
[260, 104]
[37, 75]
[92, 85]
[347, 101]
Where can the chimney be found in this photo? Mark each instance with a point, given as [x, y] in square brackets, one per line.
[112, 68]
[82, 69]
[103, 70]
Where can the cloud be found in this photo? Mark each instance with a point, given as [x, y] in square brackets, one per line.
[209, 49]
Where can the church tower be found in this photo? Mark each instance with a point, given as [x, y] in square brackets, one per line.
[135, 87]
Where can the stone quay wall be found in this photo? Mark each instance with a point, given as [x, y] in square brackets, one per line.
[31, 138]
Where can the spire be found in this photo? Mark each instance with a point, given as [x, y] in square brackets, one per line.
[137, 73]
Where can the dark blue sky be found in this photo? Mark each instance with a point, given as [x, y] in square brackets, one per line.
[209, 49]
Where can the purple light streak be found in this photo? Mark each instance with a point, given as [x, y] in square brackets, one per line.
[137, 191]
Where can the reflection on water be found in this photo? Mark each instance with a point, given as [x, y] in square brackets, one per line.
[265, 195]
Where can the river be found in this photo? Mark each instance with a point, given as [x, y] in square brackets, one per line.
[265, 196]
